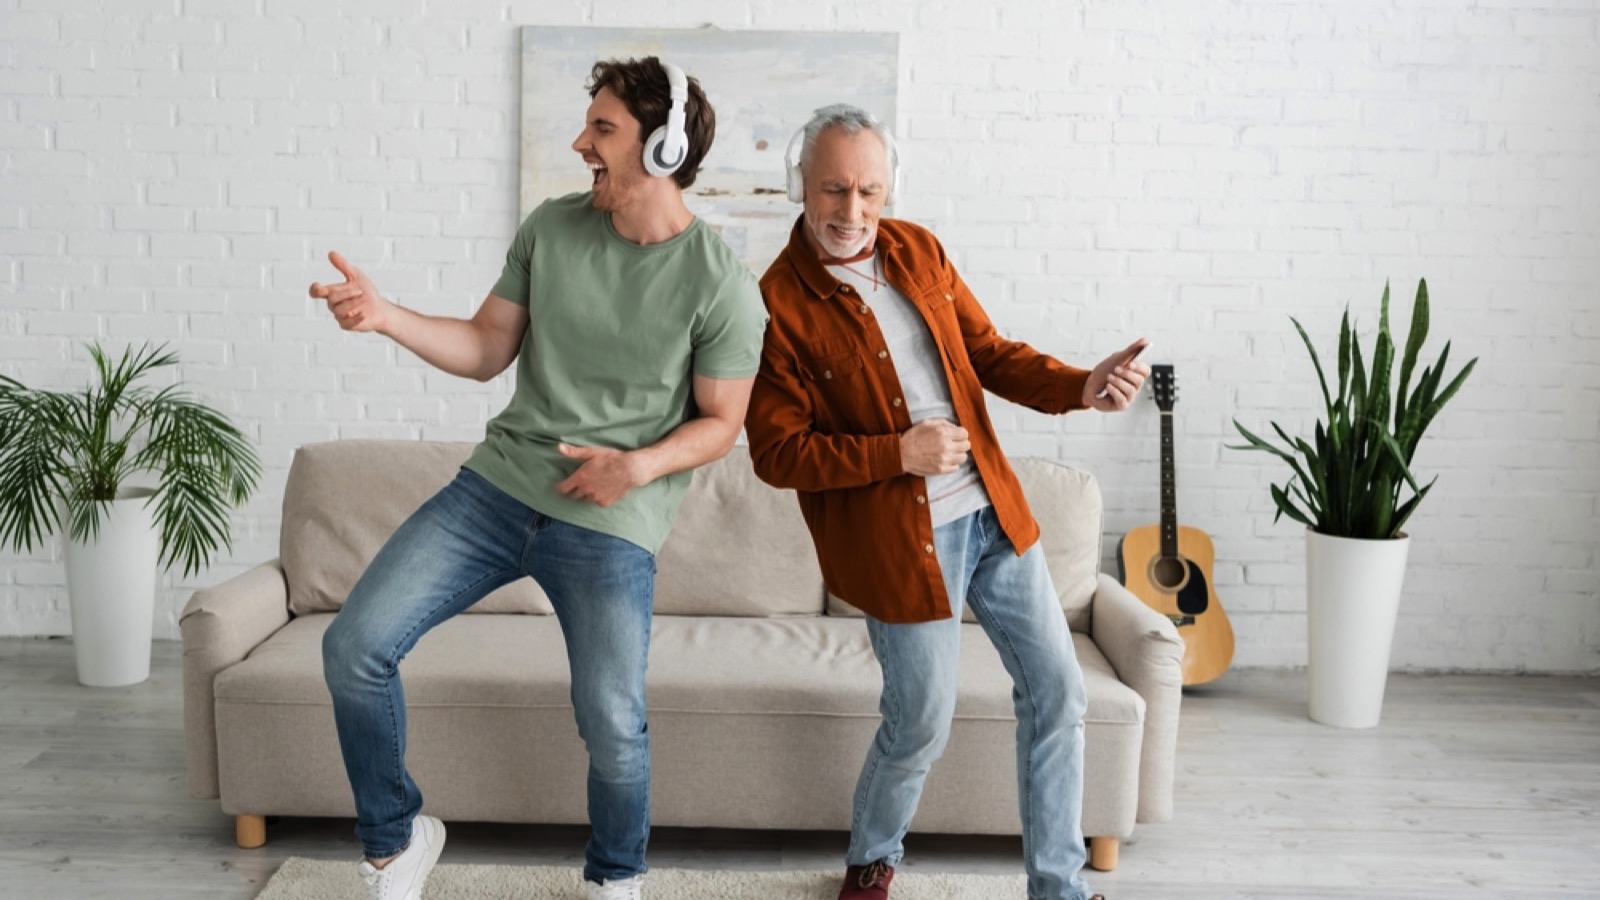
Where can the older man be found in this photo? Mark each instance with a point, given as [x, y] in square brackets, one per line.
[869, 404]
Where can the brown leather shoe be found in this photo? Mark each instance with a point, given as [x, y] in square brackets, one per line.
[868, 882]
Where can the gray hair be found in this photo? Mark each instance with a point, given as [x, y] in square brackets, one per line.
[853, 119]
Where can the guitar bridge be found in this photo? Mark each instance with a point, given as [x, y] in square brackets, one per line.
[1181, 621]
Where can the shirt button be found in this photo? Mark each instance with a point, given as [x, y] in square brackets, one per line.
[883, 354]
[895, 402]
[921, 499]
[948, 297]
[863, 307]
[927, 548]
[827, 373]
[845, 287]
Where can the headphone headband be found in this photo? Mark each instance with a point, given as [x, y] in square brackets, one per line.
[667, 146]
[796, 181]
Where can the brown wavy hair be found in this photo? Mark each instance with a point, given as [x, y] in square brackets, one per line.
[641, 85]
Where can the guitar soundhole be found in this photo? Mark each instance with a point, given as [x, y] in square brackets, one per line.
[1169, 573]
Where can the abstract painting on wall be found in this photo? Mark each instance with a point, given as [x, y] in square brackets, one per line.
[763, 85]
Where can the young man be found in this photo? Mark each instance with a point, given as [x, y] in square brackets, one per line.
[869, 403]
[636, 333]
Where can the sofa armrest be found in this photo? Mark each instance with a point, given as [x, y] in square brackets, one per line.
[1144, 647]
[220, 626]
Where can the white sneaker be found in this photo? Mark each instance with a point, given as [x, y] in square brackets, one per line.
[404, 876]
[629, 889]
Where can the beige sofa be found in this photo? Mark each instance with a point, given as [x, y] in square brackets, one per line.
[762, 689]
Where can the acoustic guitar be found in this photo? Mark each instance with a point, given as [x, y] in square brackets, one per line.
[1169, 566]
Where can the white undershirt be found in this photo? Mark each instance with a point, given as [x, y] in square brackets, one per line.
[922, 378]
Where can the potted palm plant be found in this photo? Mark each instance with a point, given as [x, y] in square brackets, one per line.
[73, 458]
[1346, 487]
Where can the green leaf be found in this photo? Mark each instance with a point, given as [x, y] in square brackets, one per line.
[208, 465]
[1257, 443]
[1399, 459]
[1286, 506]
[1414, 340]
[1436, 404]
[1359, 411]
[1317, 363]
[1344, 361]
[36, 437]
[1409, 507]
[1306, 450]
[1382, 363]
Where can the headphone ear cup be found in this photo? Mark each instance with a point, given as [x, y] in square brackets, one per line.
[797, 184]
[653, 149]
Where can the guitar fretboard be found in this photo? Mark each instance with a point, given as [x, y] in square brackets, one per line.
[1169, 491]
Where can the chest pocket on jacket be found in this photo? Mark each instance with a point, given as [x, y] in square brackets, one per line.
[841, 390]
[938, 304]
[835, 366]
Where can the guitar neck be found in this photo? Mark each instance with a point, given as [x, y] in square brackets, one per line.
[1169, 491]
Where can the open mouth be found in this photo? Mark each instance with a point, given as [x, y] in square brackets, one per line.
[846, 237]
[599, 172]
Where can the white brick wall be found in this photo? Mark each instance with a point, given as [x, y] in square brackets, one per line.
[1193, 172]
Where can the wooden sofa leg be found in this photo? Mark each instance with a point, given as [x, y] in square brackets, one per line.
[250, 832]
[1103, 853]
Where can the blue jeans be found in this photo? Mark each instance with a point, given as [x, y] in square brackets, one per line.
[1016, 604]
[469, 539]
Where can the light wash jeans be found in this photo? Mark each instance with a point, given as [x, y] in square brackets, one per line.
[467, 540]
[1016, 605]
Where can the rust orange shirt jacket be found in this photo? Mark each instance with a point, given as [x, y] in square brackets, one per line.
[826, 416]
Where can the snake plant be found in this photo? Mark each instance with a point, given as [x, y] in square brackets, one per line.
[1348, 479]
[67, 455]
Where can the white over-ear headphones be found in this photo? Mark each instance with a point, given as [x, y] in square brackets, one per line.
[797, 184]
[665, 149]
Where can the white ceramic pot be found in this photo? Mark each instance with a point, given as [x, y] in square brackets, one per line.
[1352, 599]
[111, 588]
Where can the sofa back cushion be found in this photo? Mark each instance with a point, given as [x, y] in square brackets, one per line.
[738, 547]
[1066, 503]
[342, 502]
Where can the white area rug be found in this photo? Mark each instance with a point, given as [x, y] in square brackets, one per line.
[304, 879]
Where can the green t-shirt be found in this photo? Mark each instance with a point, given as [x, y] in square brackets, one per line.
[616, 330]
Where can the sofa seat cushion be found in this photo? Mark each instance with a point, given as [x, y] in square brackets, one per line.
[701, 664]
[825, 666]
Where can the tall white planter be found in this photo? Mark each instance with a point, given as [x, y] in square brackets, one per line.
[1352, 599]
[111, 587]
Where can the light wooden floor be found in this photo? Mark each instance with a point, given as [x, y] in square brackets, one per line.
[1474, 786]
